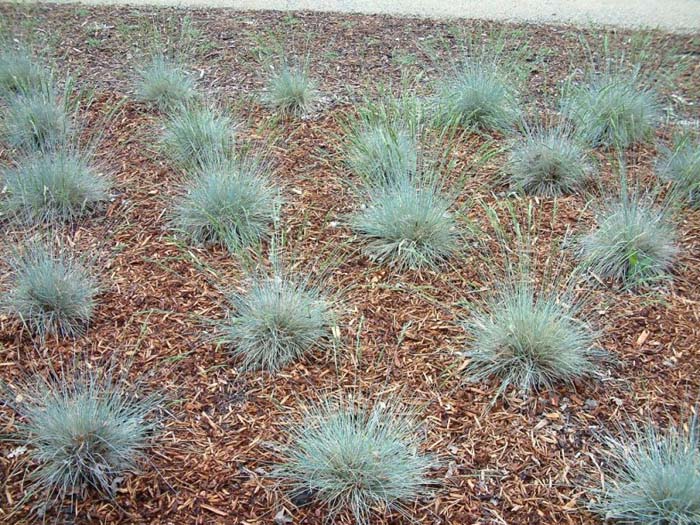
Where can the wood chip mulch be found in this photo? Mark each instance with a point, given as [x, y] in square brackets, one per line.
[526, 460]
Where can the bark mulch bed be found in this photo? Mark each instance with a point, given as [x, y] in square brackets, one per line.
[526, 460]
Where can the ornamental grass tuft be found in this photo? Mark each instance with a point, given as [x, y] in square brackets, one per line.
[82, 431]
[52, 291]
[479, 95]
[381, 152]
[549, 163]
[164, 84]
[654, 477]
[58, 185]
[634, 242]
[533, 329]
[194, 136]
[408, 223]
[530, 338]
[37, 120]
[19, 72]
[681, 167]
[356, 458]
[278, 320]
[231, 203]
[612, 111]
[290, 89]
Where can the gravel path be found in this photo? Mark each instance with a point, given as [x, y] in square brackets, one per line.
[671, 15]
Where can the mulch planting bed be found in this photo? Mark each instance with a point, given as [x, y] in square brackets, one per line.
[526, 460]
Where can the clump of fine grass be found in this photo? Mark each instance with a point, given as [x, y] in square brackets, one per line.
[356, 458]
[59, 185]
[681, 167]
[51, 290]
[278, 320]
[81, 431]
[194, 136]
[37, 119]
[232, 203]
[612, 111]
[382, 140]
[550, 163]
[163, 84]
[480, 95]
[532, 330]
[633, 243]
[19, 73]
[381, 152]
[654, 477]
[403, 110]
[290, 89]
[408, 223]
[529, 338]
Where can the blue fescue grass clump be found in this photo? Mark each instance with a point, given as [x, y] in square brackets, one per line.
[277, 320]
[406, 217]
[529, 337]
[478, 94]
[382, 141]
[681, 167]
[356, 458]
[19, 72]
[549, 162]
[82, 431]
[37, 119]
[163, 83]
[51, 290]
[290, 89]
[654, 477]
[408, 223]
[57, 185]
[533, 328]
[612, 110]
[194, 136]
[633, 242]
[231, 202]
[381, 152]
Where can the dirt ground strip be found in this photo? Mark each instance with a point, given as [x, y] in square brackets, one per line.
[527, 460]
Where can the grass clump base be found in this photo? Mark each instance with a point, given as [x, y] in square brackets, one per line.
[381, 152]
[195, 136]
[163, 84]
[82, 431]
[278, 320]
[290, 89]
[681, 167]
[356, 458]
[549, 163]
[54, 186]
[51, 290]
[654, 477]
[529, 338]
[612, 111]
[634, 242]
[231, 203]
[36, 120]
[19, 72]
[479, 95]
[407, 224]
